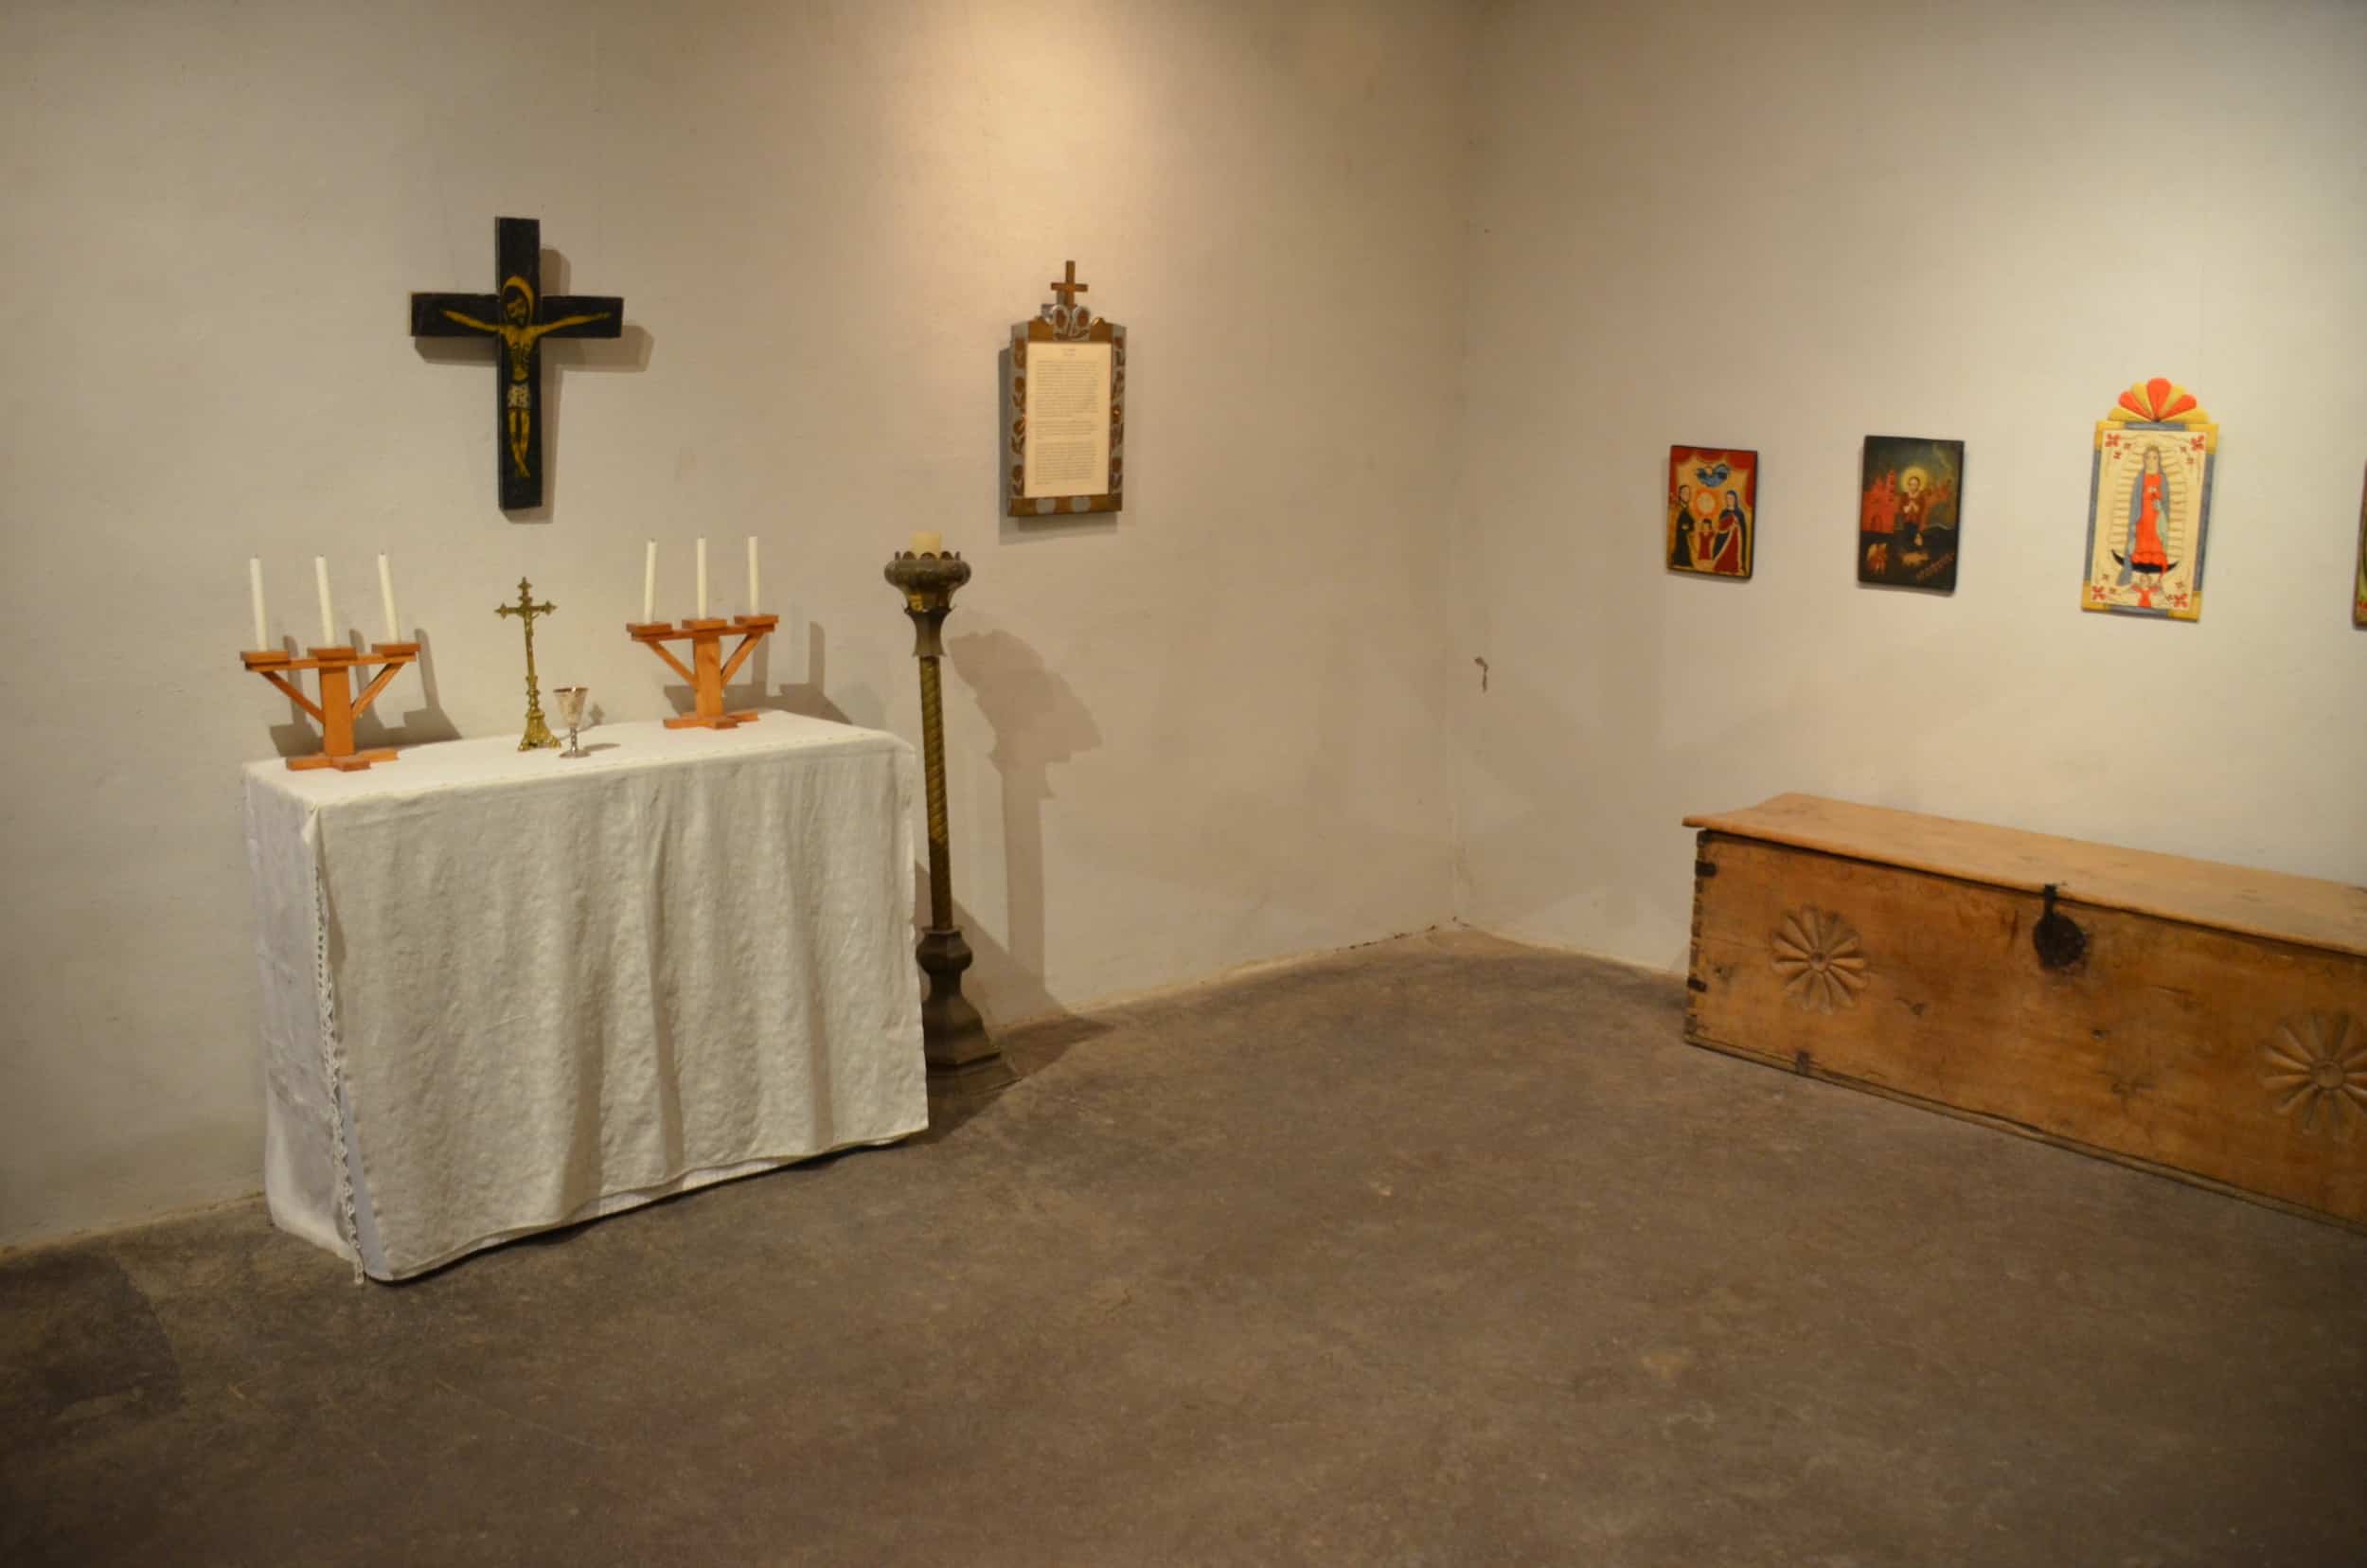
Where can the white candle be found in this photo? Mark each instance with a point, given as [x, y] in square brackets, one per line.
[755, 604]
[703, 578]
[649, 585]
[928, 543]
[329, 617]
[387, 600]
[255, 591]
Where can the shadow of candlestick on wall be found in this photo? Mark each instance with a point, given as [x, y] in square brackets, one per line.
[1038, 721]
[1006, 995]
[1040, 1031]
[856, 704]
[301, 735]
[420, 725]
[811, 697]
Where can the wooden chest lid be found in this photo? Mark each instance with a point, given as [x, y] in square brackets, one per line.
[2303, 909]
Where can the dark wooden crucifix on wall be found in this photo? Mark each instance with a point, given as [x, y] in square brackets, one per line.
[518, 318]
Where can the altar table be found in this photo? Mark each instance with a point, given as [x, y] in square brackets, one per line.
[505, 992]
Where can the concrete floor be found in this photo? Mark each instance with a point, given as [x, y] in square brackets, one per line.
[1444, 1251]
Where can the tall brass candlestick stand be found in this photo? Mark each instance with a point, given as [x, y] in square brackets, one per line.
[962, 1057]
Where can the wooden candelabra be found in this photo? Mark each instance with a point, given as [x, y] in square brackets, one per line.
[709, 671]
[339, 705]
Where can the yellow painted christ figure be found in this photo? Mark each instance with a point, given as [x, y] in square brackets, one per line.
[520, 332]
[518, 318]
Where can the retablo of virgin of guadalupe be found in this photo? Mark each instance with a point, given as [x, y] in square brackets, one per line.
[2149, 503]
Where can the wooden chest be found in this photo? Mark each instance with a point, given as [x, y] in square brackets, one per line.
[2198, 1020]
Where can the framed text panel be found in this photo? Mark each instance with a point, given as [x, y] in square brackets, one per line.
[1067, 439]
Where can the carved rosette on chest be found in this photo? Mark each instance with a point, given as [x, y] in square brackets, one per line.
[2317, 1067]
[1819, 955]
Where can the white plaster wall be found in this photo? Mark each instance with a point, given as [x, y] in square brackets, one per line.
[1790, 226]
[1204, 735]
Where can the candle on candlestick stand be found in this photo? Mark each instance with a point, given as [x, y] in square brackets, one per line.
[703, 578]
[387, 600]
[755, 604]
[255, 591]
[928, 543]
[649, 585]
[329, 617]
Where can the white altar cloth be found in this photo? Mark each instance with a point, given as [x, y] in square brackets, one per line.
[505, 992]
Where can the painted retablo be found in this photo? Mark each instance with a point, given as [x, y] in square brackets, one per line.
[1713, 511]
[2358, 583]
[2149, 504]
[1910, 513]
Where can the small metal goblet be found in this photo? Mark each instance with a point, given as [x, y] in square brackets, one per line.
[571, 714]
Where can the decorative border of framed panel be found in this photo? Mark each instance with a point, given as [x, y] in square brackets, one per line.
[1063, 322]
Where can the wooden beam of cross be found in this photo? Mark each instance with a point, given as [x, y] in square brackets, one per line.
[1069, 289]
[517, 316]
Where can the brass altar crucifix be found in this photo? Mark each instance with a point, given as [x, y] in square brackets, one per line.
[537, 733]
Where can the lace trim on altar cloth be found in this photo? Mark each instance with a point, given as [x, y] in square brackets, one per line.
[333, 1063]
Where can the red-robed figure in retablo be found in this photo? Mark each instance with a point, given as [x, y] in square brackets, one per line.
[2149, 504]
[1881, 505]
[2146, 554]
[1722, 552]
